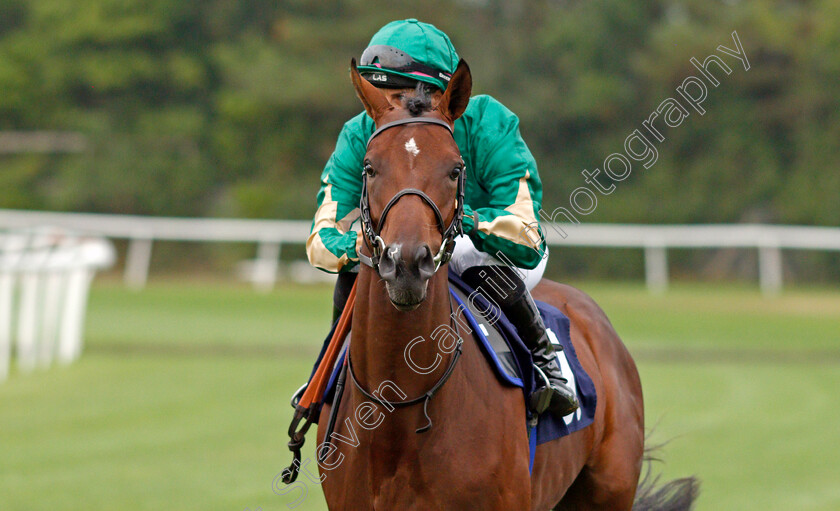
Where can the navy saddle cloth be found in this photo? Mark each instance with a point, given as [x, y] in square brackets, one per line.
[511, 360]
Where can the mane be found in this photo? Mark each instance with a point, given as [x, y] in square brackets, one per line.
[420, 101]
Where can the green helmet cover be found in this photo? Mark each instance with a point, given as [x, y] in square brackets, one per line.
[424, 42]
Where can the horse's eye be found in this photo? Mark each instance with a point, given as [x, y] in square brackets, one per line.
[456, 172]
[369, 169]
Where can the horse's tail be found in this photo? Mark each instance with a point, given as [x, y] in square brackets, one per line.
[676, 495]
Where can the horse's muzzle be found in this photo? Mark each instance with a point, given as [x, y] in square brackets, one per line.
[406, 272]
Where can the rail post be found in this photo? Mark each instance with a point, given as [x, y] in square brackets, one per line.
[137, 262]
[266, 265]
[656, 266]
[770, 267]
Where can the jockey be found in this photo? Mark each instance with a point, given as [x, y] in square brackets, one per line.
[502, 199]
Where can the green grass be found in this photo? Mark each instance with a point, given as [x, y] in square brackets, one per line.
[214, 314]
[760, 437]
[705, 316]
[181, 398]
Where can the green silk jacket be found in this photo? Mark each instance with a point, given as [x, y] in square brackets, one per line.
[502, 187]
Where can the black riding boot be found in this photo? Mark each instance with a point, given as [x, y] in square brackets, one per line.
[557, 397]
[343, 285]
[504, 286]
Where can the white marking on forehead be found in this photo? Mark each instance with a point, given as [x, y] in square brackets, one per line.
[411, 147]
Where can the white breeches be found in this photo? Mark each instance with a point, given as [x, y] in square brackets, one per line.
[466, 256]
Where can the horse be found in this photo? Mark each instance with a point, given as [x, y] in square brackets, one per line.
[471, 448]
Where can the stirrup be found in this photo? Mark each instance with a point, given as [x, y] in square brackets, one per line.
[540, 400]
[298, 394]
[544, 397]
[545, 377]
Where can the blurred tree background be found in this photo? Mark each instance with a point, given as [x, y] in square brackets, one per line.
[231, 107]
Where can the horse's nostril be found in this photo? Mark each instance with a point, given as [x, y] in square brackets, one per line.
[425, 262]
[388, 262]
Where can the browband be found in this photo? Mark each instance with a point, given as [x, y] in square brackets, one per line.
[409, 120]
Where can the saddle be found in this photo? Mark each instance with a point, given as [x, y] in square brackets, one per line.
[509, 357]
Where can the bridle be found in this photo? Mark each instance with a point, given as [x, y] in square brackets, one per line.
[374, 242]
[376, 245]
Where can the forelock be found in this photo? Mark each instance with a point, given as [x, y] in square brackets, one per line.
[420, 101]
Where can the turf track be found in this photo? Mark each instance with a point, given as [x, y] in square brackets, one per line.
[180, 401]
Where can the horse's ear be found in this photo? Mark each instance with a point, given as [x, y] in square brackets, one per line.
[454, 101]
[376, 104]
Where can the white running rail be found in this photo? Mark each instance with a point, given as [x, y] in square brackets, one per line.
[270, 235]
[45, 276]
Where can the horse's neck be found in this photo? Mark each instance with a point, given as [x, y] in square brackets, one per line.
[381, 334]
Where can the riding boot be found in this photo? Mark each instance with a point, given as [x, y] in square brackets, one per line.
[336, 313]
[556, 396]
[504, 286]
[343, 284]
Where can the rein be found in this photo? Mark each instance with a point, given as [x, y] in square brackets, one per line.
[374, 242]
[424, 398]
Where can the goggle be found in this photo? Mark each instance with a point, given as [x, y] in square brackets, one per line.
[387, 57]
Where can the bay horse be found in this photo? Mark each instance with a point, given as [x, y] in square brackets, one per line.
[476, 454]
